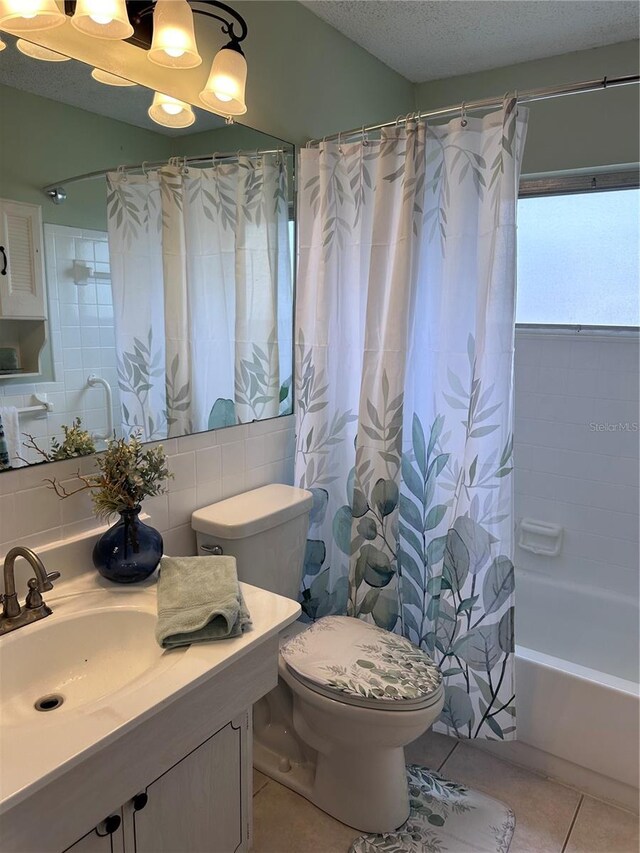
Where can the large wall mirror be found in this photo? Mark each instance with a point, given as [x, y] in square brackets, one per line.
[151, 289]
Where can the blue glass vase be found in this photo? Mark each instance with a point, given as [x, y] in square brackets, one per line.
[129, 551]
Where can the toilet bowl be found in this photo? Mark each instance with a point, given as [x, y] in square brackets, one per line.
[343, 751]
[350, 695]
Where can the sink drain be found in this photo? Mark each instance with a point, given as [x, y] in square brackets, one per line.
[49, 702]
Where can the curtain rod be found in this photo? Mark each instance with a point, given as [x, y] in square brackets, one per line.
[485, 103]
[53, 190]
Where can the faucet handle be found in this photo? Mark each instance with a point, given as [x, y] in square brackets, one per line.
[35, 585]
[51, 576]
[33, 599]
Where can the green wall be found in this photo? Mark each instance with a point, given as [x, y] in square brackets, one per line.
[577, 132]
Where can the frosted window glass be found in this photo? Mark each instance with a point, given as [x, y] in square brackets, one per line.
[578, 259]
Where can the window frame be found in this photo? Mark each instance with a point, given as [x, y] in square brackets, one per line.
[578, 183]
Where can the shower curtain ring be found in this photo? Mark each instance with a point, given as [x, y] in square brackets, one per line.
[365, 136]
[463, 114]
[213, 159]
[144, 169]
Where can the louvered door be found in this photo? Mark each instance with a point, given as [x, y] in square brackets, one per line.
[21, 261]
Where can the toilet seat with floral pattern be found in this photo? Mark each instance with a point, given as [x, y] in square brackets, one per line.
[358, 663]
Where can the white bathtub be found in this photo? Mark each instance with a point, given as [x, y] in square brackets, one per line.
[584, 718]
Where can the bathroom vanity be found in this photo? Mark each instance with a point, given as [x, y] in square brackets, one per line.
[150, 751]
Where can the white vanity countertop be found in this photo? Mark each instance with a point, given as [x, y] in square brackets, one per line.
[37, 749]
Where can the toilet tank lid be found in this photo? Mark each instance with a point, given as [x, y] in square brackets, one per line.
[252, 512]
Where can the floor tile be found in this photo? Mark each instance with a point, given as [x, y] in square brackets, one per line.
[259, 781]
[284, 822]
[544, 809]
[431, 750]
[600, 828]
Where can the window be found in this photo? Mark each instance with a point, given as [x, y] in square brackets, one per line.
[578, 256]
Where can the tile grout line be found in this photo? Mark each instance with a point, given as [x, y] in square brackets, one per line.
[449, 754]
[573, 823]
[261, 788]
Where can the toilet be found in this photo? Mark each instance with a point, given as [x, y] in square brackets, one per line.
[350, 695]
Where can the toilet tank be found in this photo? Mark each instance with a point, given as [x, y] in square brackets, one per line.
[265, 530]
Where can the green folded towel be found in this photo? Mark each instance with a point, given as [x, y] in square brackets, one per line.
[199, 599]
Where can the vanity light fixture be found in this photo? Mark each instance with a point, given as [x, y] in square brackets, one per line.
[110, 79]
[36, 51]
[174, 41]
[170, 112]
[104, 19]
[21, 16]
[224, 91]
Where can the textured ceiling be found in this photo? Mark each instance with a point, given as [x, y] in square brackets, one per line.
[431, 39]
[71, 83]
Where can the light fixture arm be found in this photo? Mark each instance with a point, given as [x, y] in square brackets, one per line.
[227, 26]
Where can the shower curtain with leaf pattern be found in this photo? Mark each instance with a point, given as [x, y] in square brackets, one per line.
[201, 278]
[404, 360]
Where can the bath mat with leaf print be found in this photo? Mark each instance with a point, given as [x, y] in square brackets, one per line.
[445, 818]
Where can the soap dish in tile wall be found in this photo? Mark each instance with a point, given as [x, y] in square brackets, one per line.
[540, 537]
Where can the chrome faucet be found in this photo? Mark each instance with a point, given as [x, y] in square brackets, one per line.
[13, 615]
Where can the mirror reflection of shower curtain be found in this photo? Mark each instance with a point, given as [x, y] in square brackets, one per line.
[200, 265]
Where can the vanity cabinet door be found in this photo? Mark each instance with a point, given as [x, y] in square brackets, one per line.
[107, 837]
[196, 806]
[22, 292]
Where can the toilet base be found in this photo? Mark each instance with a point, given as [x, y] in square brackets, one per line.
[369, 796]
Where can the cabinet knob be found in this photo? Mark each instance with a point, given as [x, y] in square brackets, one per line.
[3, 253]
[140, 801]
[112, 824]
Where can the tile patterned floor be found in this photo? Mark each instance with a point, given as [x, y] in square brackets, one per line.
[550, 817]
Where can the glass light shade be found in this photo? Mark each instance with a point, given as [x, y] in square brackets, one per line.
[224, 91]
[21, 16]
[35, 51]
[104, 19]
[174, 41]
[110, 79]
[170, 112]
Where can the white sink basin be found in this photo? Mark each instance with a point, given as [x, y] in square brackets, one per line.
[78, 657]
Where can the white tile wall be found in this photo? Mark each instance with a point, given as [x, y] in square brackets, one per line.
[570, 470]
[208, 466]
[82, 337]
